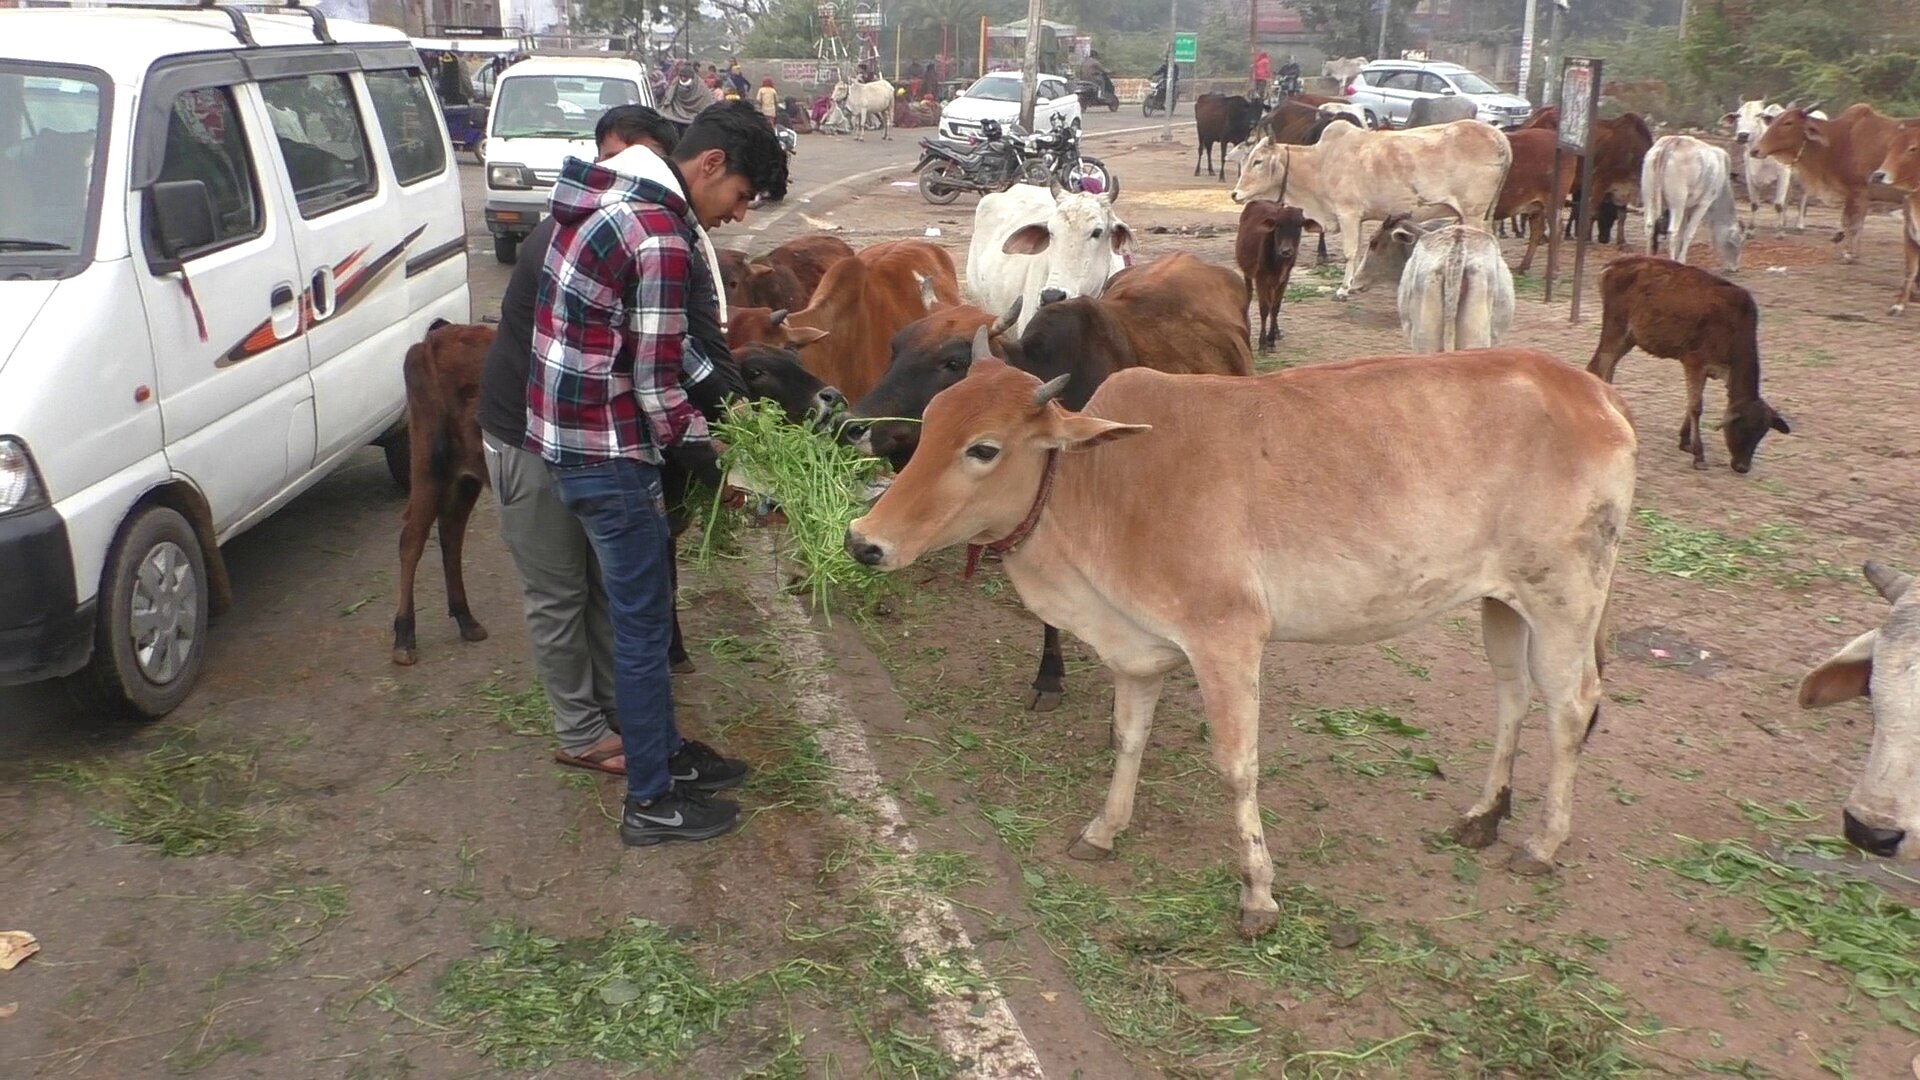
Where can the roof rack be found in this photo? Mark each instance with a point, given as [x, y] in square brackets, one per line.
[241, 30]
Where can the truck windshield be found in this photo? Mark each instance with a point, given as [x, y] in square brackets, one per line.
[557, 106]
[51, 121]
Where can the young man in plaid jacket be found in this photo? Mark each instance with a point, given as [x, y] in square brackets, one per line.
[606, 407]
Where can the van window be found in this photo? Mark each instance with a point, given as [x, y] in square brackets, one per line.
[206, 142]
[322, 140]
[50, 129]
[548, 106]
[410, 121]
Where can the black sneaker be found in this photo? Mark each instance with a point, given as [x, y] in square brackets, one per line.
[697, 766]
[678, 815]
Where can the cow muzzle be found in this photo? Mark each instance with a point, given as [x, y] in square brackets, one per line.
[1052, 296]
[828, 405]
[1880, 177]
[1874, 840]
[864, 551]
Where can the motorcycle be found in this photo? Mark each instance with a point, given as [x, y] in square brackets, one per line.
[1156, 98]
[1093, 93]
[992, 161]
[1069, 170]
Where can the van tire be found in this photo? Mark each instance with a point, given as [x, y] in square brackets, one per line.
[156, 537]
[505, 248]
[399, 450]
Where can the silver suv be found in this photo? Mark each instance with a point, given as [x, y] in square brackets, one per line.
[1387, 89]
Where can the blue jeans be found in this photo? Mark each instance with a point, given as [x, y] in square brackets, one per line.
[624, 510]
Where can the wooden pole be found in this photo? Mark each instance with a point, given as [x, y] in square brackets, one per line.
[1030, 64]
[1553, 224]
[1173, 29]
[897, 31]
[982, 70]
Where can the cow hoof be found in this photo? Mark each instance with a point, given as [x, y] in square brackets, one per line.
[473, 632]
[1525, 864]
[1044, 701]
[1085, 851]
[1700, 466]
[1258, 923]
[683, 666]
[1476, 832]
[1897, 309]
[404, 657]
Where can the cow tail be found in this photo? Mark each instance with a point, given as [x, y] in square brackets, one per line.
[1453, 296]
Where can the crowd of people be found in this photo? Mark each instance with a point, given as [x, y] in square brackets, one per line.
[684, 89]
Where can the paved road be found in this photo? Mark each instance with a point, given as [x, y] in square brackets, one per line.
[828, 172]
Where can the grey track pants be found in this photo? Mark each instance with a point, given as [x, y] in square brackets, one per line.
[566, 601]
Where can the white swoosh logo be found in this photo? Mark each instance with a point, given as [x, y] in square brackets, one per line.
[671, 823]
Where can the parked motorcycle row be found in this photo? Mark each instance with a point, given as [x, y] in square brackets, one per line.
[996, 159]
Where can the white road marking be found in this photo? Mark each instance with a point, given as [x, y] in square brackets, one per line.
[975, 1025]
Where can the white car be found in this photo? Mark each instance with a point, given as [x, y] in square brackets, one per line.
[996, 96]
[1386, 90]
[219, 232]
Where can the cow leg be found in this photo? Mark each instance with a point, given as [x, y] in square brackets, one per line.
[1204, 148]
[1324, 258]
[1913, 265]
[677, 659]
[1802, 225]
[1536, 231]
[425, 495]
[453, 539]
[1050, 682]
[1230, 688]
[1356, 253]
[1504, 634]
[1616, 338]
[1564, 660]
[1134, 699]
[1696, 393]
[1851, 218]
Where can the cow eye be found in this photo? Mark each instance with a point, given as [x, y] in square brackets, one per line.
[983, 451]
[1097, 232]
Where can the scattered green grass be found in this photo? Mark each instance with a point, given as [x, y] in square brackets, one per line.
[819, 484]
[1850, 924]
[522, 712]
[634, 995]
[1706, 554]
[1417, 670]
[797, 774]
[1295, 294]
[1365, 728]
[291, 917]
[180, 798]
[739, 650]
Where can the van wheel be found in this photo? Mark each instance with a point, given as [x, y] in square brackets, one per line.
[505, 248]
[399, 451]
[151, 630]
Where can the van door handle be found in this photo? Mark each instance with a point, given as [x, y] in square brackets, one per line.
[283, 296]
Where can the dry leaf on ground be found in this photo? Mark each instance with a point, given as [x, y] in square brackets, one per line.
[15, 946]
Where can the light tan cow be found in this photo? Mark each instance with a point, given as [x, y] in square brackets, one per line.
[1198, 517]
[1352, 176]
[1882, 814]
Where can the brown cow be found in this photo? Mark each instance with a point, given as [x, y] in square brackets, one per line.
[1531, 188]
[1620, 148]
[1834, 159]
[1901, 168]
[862, 302]
[1706, 322]
[1265, 249]
[756, 284]
[1192, 520]
[809, 257]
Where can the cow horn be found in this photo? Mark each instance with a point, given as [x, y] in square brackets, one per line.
[777, 317]
[1890, 583]
[1049, 390]
[980, 349]
[1005, 322]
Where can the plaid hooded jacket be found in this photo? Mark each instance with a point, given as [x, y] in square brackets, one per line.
[610, 327]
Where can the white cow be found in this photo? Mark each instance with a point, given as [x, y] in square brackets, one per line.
[867, 99]
[1882, 813]
[1344, 68]
[1353, 176]
[1029, 248]
[1770, 175]
[1694, 181]
[1456, 291]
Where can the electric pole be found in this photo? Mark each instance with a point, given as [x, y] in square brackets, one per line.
[1554, 52]
[1526, 51]
[1030, 69]
[1386, 9]
[1173, 29]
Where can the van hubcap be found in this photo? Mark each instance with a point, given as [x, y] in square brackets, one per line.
[165, 612]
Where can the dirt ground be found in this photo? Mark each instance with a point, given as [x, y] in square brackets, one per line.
[328, 866]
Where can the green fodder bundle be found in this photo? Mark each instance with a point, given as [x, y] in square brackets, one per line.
[820, 487]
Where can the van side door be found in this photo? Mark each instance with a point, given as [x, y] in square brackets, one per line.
[415, 140]
[236, 403]
[350, 237]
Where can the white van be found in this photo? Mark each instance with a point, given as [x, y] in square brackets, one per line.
[544, 109]
[219, 232]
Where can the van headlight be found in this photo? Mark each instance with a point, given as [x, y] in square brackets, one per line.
[20, 486]
[509, 176]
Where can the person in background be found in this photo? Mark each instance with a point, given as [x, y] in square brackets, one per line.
[1262, 75]
[769, 99]
[738, 80]
[1289, 77]
[606, 407]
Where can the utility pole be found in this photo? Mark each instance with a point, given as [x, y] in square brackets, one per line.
[1526, 51]
[1173, 27]
[1386, 9]
[1030, 66]
[1554, 52]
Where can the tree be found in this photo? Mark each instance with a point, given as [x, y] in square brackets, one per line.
[1352, 27]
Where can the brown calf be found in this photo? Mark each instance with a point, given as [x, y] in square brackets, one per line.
[1531, 189]
[1834, 159]
[448, 471]
[1706, 322]
[809, 257]
[1265, 249]
[1901, 168]
[757, 284]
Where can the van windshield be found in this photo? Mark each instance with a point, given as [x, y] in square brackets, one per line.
[1469, 83]
[51, 120]
[557, 106]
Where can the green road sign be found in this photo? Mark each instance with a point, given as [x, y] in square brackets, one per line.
[1186, 48]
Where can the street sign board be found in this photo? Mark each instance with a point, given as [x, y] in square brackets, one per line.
[1577, 83]
[1186, 48]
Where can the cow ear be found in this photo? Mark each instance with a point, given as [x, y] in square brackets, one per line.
[1730, 118]
[1312, 226]
[758, 269]
[1027, 240]
[1846, 675]
[1406, 234]
[1122, 237]
[1779, 424]
[1815, 136]
[1075, 431]
[800, 337]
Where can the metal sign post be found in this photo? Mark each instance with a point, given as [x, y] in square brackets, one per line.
[1579, 107]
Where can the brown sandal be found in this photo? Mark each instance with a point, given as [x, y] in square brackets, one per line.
[605, 756]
